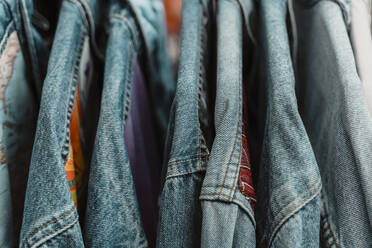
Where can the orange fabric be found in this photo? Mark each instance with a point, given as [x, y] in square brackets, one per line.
[74, 166]
[173, 14]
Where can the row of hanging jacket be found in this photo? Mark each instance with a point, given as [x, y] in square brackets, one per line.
[262, 137]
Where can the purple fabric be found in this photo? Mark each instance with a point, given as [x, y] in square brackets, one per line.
[144, 153]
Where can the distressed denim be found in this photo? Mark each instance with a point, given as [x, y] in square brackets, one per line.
[20, 77]
[190, 131]
[227, 214]
[338, 122]
[288, 186]
[50, 217]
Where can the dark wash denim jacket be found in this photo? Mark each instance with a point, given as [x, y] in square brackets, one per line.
[50, 217]
[23, 58]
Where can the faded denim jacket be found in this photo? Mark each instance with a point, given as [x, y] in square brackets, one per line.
[190, 132]
[289, 183]
[136, 33]
[336, 117]
[227, 194]
[51, 218]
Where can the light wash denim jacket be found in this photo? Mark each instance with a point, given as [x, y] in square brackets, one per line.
[227, 214]
[336, 117]
[113, 218]
[50, 217]
[289, 183]
[190, 132]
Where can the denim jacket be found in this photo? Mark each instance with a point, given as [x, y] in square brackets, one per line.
[189, 132]
[289, 183]
[336, 117]
[227, 208]
[113, 216]
[50, 217]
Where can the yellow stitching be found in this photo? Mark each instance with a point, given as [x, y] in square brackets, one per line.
[56, 230]
[175, 162]
[276, 227]
[47, 224]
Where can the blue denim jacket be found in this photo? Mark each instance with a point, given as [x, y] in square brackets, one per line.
[20, 77]
[50, 217]
[288, 186]
[113, 217]
[227, 215]
[189, 132]
[338, 122]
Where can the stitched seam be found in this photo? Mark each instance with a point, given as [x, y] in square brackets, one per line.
[215, 194]
[234, 147]
[325, 237]
[7, 33]
[200, 78]
[236, 201]
[190, 171]
[186, 173]
[235, 140]
[65, 146]
[128, 84]
[170, 164]
[325, 240]
[67, 214]
[56, 230]
[239, 127]
[287, 216]
[328, 223]
[217, 186]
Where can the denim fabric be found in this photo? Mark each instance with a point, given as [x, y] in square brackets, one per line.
[338, 122]
[189, 131]
[112, 202]
[50, 218]
[227, 216]
[19, 80]
[288, 186]
[113, 217]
